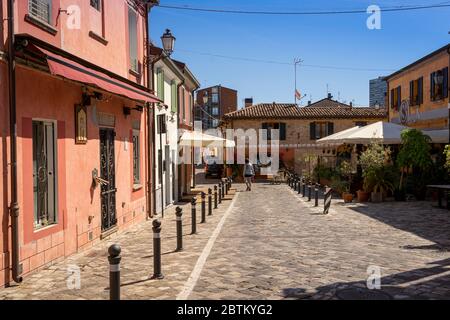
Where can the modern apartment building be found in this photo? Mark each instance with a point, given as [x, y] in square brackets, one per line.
[213, 103]
[377, 92]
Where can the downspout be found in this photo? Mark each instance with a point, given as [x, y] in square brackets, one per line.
[178, 128]
[14, 208]
[150, 123]
[194, 182]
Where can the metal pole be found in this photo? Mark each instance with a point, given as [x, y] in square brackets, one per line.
[223, 190]
[220, 192]
[309, 192]
[215, 197]
[179, 214]
[203, 207]
[209, 202]
[157, 274]
[114, 271]
[194, 215]
[316, 190]
[299, 187]
[304, 189]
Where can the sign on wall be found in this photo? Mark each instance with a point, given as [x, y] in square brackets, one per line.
[80, 124]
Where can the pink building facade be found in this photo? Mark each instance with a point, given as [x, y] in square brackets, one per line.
[82, 104]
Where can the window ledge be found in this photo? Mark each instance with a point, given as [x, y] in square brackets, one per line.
[137, 187]
[97, 37]
[134, 73]
[41, 24]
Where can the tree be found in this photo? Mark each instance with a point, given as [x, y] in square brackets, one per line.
[414, 152]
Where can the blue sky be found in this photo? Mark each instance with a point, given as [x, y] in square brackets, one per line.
[337, 40]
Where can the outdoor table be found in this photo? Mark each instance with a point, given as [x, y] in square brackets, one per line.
[441, 189]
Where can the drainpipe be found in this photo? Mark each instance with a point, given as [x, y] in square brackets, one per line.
[150, 116]
[14, 207]
[194, 182]
[178, 128]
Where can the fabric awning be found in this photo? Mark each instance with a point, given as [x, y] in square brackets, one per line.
[199, 139]
[66, 68]
[381, 132]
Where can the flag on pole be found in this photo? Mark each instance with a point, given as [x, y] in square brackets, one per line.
[298, 95]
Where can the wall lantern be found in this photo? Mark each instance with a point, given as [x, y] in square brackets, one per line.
[168, 42]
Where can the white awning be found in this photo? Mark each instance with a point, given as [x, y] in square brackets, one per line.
[382, 132]
[199, 139]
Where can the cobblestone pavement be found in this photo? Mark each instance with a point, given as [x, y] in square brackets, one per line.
[136, 266]
[273, 245]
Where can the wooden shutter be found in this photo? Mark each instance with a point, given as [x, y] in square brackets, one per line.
[160, 84]
[432, 86]
[312, 130]
[411, 93]
[392, 99]
[445, 83]
[420, 90]
[399, 96]
[330, 128]
[282, 131]
[174, 97]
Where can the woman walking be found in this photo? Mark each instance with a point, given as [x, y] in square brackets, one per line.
[249, 173]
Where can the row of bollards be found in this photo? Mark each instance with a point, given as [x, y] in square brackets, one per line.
[303, 187]
[114, 258]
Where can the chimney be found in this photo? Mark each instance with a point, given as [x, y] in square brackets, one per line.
[273, 105]
[330, 96]
[351, 104]
[248, 102]
[309, 102]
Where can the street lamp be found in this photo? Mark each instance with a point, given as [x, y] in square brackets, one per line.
[168, 41]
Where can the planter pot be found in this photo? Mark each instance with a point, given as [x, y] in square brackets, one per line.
[377, 197]
[363, 196]
[229, 171]
[399, 195]
[348, 197]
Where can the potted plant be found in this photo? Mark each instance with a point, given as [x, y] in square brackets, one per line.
[373, 162]
[382, 182]
[346, 171]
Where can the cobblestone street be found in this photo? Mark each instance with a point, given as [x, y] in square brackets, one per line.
[271, 244]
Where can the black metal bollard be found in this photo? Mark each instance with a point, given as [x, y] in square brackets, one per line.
[194, 215]
[179, 214]
[304, 189]
[215, 197]
[223, 190]
[220, 192]
[203, 207]
[316, 196]
[226, 186]
[309, 192]
[157, 274]
[209, 202]
[299, 186]
[114, 271]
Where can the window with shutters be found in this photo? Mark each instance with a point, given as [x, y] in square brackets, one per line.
[183, 104]
[40, 9]
[162, 128]
[439, 84]
[416, 92]
[160, 84]
[136, 158]
[275, 126]
[132, 39]
[396, 98]
[319, 130]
